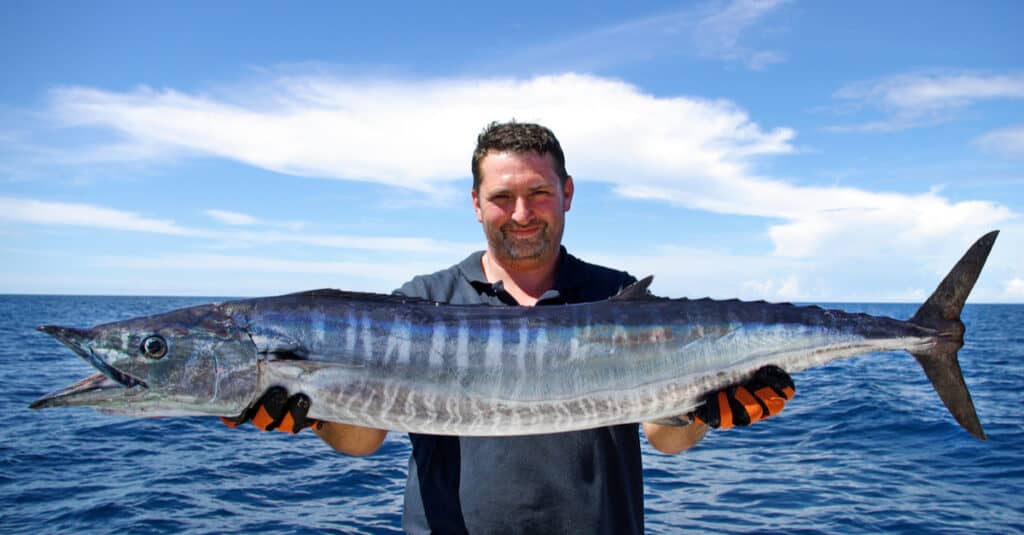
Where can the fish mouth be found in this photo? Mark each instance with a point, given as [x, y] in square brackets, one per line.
[96, 387]
[96, 384]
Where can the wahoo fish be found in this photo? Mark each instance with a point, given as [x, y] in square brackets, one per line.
[404, 364]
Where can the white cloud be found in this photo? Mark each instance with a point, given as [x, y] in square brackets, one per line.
[249, 264]
[924, 92]
[32, 211]
[834, 221]
[1015, 287]
[787, 289]
[368, 243]
[712, 30]
[1008, 141]
[700, 272]
[412, 134]
[85, 215]
[719, 33]
[692, 152]
[239, 219]
[912, 100]
[848, 223]
[899, 275]
[232, 218]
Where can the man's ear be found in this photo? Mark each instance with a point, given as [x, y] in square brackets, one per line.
[567, 190]
[476, 205]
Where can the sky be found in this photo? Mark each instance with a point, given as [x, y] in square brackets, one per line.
[759, 149]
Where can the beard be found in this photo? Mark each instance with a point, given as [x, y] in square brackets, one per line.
[510, 248]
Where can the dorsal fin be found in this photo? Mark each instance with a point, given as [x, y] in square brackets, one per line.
[332, 293]
[636, 292]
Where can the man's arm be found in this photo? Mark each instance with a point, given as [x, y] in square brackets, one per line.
[671, 439]
[351, 439]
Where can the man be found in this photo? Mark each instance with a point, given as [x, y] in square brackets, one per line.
[586, 481]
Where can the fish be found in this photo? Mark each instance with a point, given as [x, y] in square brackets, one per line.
[405, 364]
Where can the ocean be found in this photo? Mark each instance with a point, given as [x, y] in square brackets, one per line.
[865, 447]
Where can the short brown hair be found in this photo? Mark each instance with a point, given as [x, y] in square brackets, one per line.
[518, 138]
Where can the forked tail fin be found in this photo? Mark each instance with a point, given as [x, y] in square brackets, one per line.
[941, 312]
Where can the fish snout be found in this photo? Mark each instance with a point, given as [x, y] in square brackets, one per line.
[62, 332]
[69, 336]
[75, 339]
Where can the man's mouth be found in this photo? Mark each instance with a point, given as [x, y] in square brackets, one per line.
[523, 232]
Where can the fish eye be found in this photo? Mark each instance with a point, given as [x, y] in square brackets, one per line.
[154, 347]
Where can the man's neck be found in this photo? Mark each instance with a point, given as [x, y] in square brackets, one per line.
[526, 282]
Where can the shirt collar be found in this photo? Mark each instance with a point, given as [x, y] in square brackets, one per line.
[472, 268]
[567, 274]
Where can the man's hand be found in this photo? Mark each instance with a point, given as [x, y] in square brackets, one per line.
[276, 410]
[762, 396]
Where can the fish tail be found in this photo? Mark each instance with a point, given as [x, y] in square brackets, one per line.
[941, 312]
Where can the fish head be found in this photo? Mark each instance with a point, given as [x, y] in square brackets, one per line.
[191, 361]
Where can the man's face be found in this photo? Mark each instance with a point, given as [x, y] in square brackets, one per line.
[521, 204]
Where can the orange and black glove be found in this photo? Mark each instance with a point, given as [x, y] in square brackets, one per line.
[764, 395]
[276, 410]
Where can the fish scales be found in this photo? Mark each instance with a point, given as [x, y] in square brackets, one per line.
[410, 365]
[601, 355]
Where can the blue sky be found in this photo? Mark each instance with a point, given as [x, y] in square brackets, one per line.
[784, 150]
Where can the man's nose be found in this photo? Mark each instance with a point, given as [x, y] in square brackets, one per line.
[523, 213]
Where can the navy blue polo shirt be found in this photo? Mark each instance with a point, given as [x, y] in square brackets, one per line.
[586, 481]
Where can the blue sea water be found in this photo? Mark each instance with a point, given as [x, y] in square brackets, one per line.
[866, 447]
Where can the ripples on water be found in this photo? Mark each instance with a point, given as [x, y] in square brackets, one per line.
[865, 447]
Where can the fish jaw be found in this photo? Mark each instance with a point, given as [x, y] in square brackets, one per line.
[102, 393]
[95, 390]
